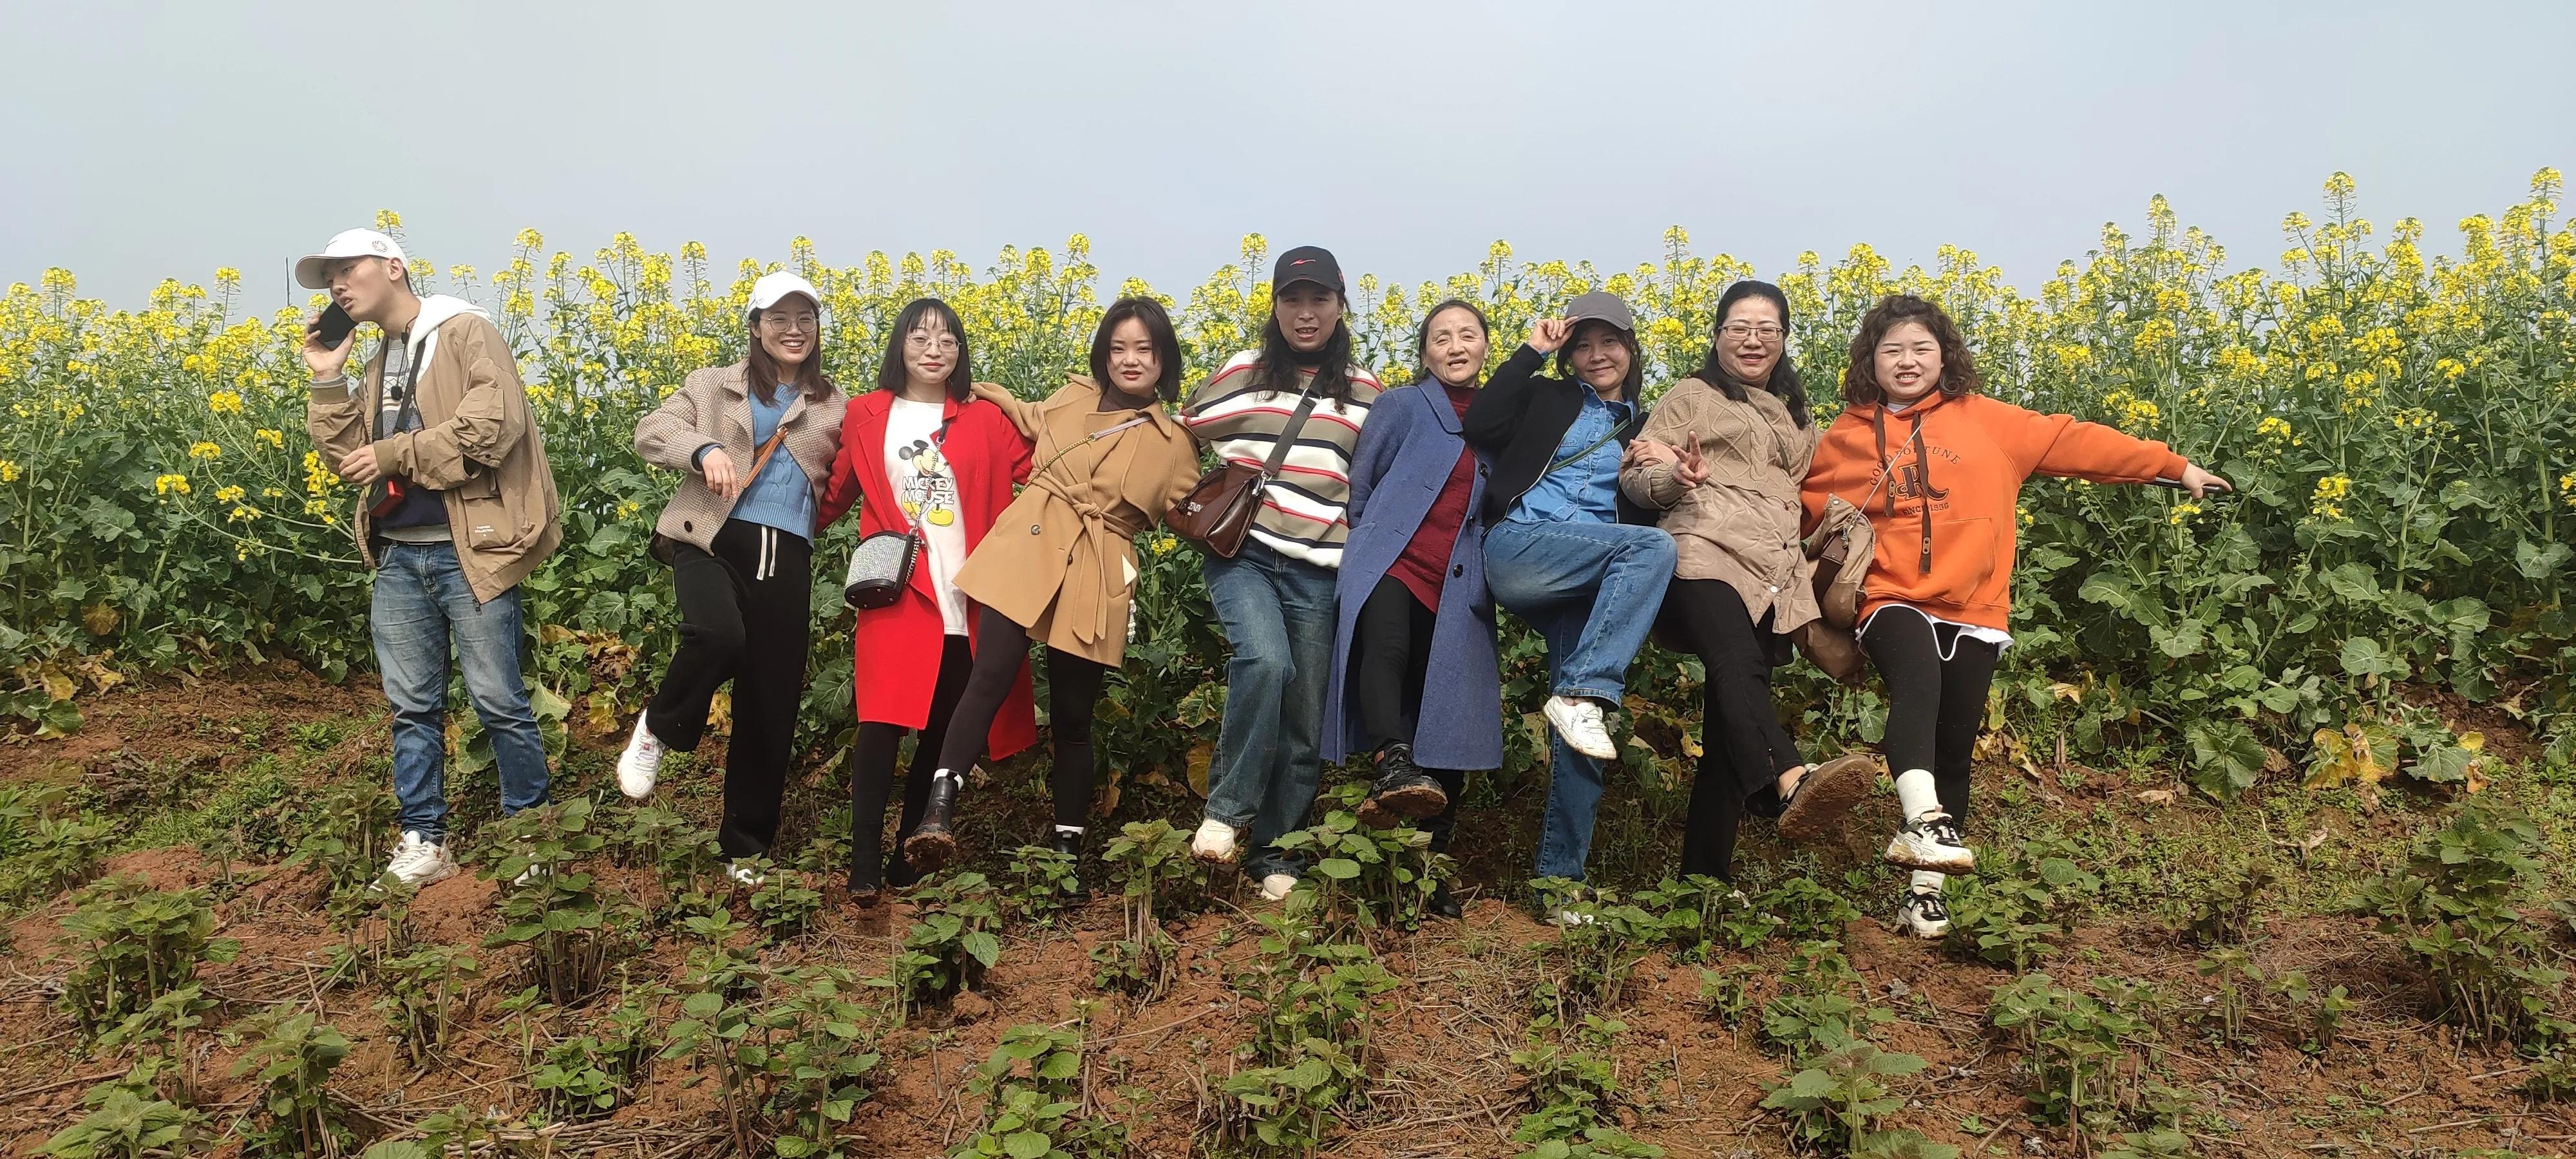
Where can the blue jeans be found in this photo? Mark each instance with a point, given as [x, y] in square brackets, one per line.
[1592, 590]
[421, 603]
[1278, 616]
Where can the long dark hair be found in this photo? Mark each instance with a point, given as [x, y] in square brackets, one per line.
[1158, 330]
[1784, 382]
[1279, 360]
[1860, 378]
[891, 374]
[1422, 333]
[762, 370]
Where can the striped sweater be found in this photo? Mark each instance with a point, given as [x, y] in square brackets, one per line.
[1305, 511]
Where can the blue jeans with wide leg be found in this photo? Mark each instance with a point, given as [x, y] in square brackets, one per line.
[422, 603]
[1278, 617]
[1592, 590]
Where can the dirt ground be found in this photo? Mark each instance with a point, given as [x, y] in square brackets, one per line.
[1442, 1081]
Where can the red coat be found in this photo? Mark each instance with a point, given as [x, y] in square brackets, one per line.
[897, 648]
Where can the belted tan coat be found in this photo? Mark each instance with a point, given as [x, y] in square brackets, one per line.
[1741, 525]
[1061, 559]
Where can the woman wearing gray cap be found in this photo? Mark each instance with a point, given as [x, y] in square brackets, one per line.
[1564, 549]
[752, 442]
[1275, 595]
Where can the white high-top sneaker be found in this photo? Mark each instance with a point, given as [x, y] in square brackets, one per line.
[1277, 886]
[1931, 842]
[1925, 914]
[1213, 842]
[641, 764]
[419, 862]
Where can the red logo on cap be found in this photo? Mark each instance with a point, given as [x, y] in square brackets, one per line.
[1301, 261]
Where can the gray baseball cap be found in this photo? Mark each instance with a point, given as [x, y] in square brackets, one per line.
[1602, 305]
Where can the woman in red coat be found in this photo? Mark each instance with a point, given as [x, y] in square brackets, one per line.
[921, 451]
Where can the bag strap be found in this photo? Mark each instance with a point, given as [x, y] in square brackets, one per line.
[1635, 420]
[1089, 439]
[1288, 433]
[760, 458]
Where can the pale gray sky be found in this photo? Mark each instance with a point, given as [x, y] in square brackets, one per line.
[151, 140]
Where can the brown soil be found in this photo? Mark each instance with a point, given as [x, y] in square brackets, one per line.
[1443, 1083]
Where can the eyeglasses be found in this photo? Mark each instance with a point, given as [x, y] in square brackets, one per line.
[923, 340]
[1740, 331]
[786, 323]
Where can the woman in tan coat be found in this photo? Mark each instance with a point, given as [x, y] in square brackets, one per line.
[1722, 458]
[1059, 566]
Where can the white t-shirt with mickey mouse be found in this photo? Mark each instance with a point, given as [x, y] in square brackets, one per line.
[927, 490]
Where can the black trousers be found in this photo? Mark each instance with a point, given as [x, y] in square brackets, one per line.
[872, 760]
[1073, 690]
[1390, 659]
[1743, 748]
[746, 613]
[1936, 697]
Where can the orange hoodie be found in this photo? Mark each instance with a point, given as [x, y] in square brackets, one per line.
[1953, 558]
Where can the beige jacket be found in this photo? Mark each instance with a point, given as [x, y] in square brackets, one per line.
[714, 406]
[1740, 525]
[1061, 559]
[478, 443]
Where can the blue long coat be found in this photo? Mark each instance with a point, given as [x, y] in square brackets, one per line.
[1404, 456]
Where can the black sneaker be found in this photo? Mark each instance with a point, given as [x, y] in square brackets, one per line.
[1402, 791]
[1931, 842]
[1924, 913]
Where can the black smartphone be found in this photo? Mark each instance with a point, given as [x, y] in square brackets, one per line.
[334, 326]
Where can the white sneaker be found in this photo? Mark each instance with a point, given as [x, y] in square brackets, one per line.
[529, 874]
[1277, 886]
[1213, 842]
[745, 874]
[1926, 916]
[1579, 722]
[1931, 842]
[419, 862]
[641, 764]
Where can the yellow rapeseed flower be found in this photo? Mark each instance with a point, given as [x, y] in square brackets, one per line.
[275, 440]
[204, 450]
[8, 471]
[228, 495]
[168, 483]
[2182, 511]
[225, 402]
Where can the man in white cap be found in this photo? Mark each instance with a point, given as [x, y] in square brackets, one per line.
[456, 507]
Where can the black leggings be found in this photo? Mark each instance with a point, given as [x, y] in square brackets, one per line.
[1073, 690]
[1743, 748]
[1936, 697]
[872, 769]
[1390, 658]
[745, 616]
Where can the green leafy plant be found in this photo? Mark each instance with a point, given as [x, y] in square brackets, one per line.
[1035, 1101]
[2008, 914]
[1586, 966]
[953, 940]
[1363, 879]
[291, 1060]
[790, 1069]
[128, 1119]
[552, 908]
[1043, 883]
[2075, 1046]
[426, 993]
[2454, 910]
[1147, 862]
[56, 854]
[784, 905]
[135, 944]
[1837, 1102]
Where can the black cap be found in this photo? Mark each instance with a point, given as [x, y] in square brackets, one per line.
[1307, 263]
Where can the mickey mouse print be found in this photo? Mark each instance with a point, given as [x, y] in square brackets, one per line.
[927, 488]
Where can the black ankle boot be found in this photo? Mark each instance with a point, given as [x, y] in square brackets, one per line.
[1070, 845]
[1402, 790]
[898, 872]
[931, 845]
[1442, 903]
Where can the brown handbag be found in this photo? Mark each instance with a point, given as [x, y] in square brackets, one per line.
[1217, 511]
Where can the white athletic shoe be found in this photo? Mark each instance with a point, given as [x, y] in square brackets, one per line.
[1926, 916]
[743, 873]
[528, 875]
[419, 862]
[641, 764]
[1931, 842]
[1213, 842]
[1277, 886]
[1579, 722]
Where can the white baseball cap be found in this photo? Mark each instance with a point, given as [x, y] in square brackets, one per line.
[766, 292]
[313, 271]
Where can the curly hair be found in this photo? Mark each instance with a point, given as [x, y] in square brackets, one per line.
[1860, 375]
